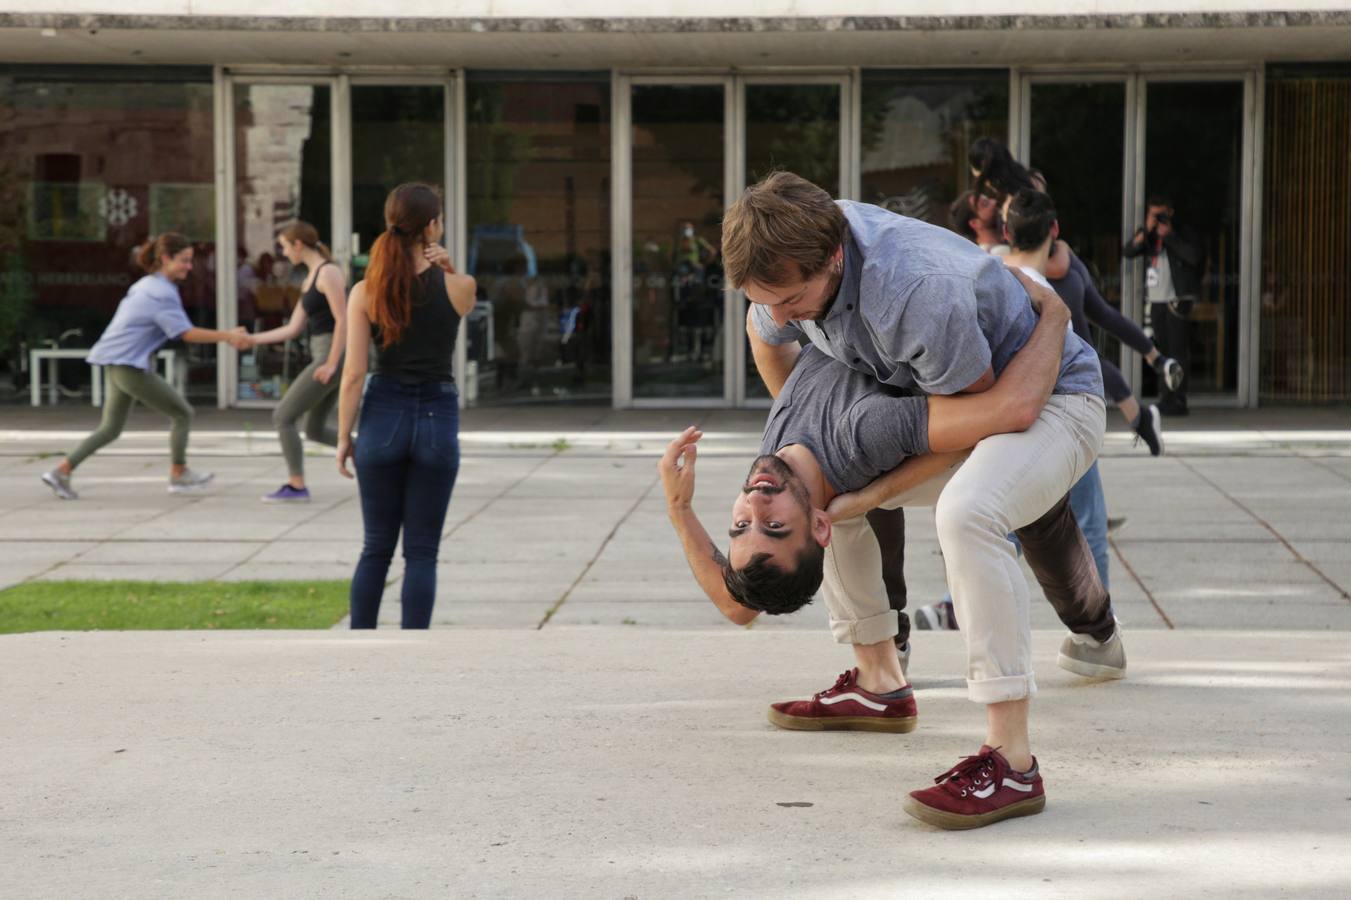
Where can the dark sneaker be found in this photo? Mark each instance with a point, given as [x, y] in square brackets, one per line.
[60, 485]
[1150, 429]
[936, 617]
[1171, 371]
[1115, 524]
[190, 482]
[848, 707]
[288, 494]
[978, 791]
[1173, 406]
[1085, 656]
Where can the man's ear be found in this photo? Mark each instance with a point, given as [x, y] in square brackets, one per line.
[974, 224]
[1055, 231]
[821, 527]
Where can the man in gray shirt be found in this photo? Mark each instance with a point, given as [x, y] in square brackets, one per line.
[915, 306]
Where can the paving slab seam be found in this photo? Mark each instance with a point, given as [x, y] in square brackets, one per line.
[345, 620]
[175, 507]
[549, 613]
[1318, 461]
[1299, 557]
[307, 520]
[1141, 583]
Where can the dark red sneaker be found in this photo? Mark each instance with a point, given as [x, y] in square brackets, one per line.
[978, 791]
[847, 707]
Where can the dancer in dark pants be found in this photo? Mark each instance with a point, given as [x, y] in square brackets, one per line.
[407, 449]
[150, 314]
[322, 315]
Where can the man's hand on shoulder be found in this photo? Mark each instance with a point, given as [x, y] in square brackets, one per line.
[676, 468]
[1045, 301]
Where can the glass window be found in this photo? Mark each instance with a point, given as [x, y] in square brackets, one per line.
[282, 170]
[539, 236]
[398, 135]
[917, 128]
[1306, 229]
[93, 161]
[678, 185]
[1194, 158]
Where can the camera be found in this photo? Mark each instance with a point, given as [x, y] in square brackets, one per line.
[1163, 219]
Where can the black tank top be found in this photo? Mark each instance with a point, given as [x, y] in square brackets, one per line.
[318, 314]
[427, 347]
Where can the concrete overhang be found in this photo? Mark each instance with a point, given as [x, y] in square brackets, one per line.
[602, 43]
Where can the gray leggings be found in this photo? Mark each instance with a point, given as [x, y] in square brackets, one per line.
[311, 399]
[126, 385]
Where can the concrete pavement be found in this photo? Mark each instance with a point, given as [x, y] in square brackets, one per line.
[622, 762]
[581, 723]
[557, 517]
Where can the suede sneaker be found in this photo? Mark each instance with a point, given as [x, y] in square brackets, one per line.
[848, 707]
[978, 791]
[1090, 658]
[288, 494]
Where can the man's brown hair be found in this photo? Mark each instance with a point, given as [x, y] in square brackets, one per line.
[781, 223]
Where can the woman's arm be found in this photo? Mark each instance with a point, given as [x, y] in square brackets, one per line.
[293, 329]
[237, 337]
[354, 373]
[463, 290]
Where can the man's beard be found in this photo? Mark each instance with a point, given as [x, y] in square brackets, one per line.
[788, 480]
[832, 291]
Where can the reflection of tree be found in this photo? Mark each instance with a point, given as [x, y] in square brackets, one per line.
[496, 149]
[16, 291]
[794, 127]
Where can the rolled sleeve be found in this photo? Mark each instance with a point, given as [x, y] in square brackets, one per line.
[768, 330]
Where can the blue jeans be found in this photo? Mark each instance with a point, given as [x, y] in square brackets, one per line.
[1090, 509]
[407, 456]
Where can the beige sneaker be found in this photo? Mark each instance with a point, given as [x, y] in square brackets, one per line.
[1084, 656]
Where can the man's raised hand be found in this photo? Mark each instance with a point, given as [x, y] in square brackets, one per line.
[676, 467]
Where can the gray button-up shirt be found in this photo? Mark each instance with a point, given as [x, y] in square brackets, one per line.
[922, 308]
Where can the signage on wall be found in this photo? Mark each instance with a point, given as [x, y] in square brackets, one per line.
[118, 207]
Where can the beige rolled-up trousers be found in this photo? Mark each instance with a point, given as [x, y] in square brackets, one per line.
[1009, 481]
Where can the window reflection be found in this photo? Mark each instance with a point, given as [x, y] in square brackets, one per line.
[91, 163]
[539, 237]
[282, 167]
[917, 127]
[678, 174]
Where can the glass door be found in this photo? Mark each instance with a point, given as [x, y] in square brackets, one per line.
[1077, 138]
[283, 138]
[794, 125]
[1193, 160]
[678, 133]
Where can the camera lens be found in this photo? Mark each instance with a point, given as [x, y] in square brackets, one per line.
[1164, 218]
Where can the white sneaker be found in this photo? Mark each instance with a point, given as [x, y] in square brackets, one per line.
[189, 482]
[60, 485]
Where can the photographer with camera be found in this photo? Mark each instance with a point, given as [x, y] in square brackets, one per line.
[1172, 286]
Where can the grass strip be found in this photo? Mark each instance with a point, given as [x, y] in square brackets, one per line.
[170, 605]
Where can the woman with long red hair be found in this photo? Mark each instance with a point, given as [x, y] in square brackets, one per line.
[407, 450]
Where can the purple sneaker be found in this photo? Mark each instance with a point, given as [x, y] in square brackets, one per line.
[288, 494]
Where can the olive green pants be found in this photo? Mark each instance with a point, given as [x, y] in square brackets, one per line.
[126, 385]
[312, 399]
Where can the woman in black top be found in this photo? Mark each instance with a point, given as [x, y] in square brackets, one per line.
[322, 314]
[408, 451]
